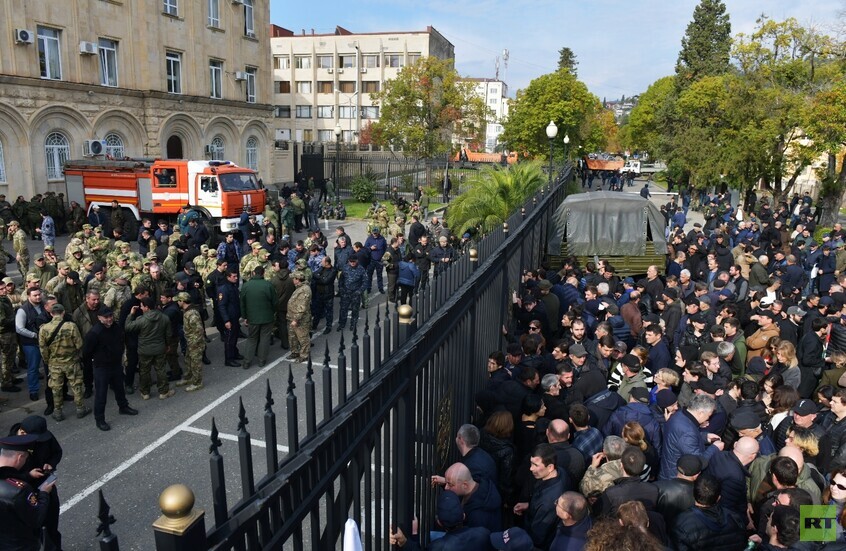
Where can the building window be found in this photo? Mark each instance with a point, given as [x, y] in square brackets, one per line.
[108, 62]
[252, 153]
[282, 62]
[370, 112]
[49, 57]
[370, 86]
[413, 58]
[325, 136]
[302, 61]
[217, 148]
[325, 111]
[370, 60]
[214, 14]
[173, 64]
[347, 61]
[304, 87]
[325, 62]
[114, 146]
[282, 112]
[283, 86]
[2, 165]
[324, 87]
[492, 101]
[215, 79]
[393, 60]
[349, 136]
[251, 84]
[304, 111]
[347, 87]
[249, 20]
[57, 151]
[308, 135]
[346, 112]
[171, 7]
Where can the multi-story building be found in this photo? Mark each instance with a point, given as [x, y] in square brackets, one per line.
[494, 93]
[325, 80]
[158, 78]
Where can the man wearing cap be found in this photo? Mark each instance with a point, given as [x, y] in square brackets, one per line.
[195, 338]
[258, 306]
[351, 286]
[8, 342]
[184, 217]
[675, 495]
[23, 508]
[229, 309]
[756, 342]
[637, 409]
[18, 238]
[152, 328]
[299, 318]
[748, 423]
[103, 348]
[60, 343]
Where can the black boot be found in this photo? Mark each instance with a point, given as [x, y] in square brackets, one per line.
[206, 360]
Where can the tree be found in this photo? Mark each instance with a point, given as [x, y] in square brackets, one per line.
[645, 130]
[706, 45]
[492, 195]
[827, 125]
[558, 97]
[425, 106]
[567, 60]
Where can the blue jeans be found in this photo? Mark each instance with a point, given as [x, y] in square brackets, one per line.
[33, 362]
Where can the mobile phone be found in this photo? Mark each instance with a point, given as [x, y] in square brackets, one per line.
[49, 480]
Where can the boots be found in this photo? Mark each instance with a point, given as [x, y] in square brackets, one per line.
[58, 416]
[81, 412]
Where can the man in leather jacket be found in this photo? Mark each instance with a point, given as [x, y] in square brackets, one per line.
[675, 495]
[23, 509]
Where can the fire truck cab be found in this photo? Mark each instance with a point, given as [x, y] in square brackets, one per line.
[219, 190]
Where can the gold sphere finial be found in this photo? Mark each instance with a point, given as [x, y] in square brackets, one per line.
[474, 255]
[405, 312]
[176, 501]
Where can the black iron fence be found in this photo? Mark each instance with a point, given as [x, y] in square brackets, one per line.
[389, 410]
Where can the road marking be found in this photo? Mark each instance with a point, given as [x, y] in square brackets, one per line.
[233, 438]
[100, 482]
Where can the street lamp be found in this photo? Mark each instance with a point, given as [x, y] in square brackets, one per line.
[566, 149]
[551, 132]
[338, 131]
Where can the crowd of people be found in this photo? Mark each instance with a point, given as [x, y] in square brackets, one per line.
[698, 407]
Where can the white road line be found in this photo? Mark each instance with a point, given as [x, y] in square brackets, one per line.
[233, 438]
[100, 482]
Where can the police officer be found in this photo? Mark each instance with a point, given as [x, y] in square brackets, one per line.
[352, 285]
[299, 318]
[215, 281]
[23, 508]
[103, 348]
[229, 308]
[60, 343]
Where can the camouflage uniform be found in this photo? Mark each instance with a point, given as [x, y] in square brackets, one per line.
[99, 246]
[599, 480]
[8, 340]
[169, 263]
[299, 311]
[352, 284]
[21, 250]
[62, 357]
[118, 293]
[195, 337]
[3, 253]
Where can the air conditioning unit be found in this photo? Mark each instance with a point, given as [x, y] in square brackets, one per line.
[87, 48]
[330, 70]
[208, 150]
[92, 148]
[240, 75]
[23, 36]
[364, 69]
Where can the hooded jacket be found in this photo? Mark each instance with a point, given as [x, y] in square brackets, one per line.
[152, 328]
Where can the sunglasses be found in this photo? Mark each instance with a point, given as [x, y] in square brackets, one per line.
[839, 486]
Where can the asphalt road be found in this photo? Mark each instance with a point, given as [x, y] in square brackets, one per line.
[168, 442]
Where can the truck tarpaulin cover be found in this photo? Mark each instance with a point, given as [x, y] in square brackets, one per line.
[606, 223]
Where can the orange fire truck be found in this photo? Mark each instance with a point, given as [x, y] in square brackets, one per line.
[219, 190]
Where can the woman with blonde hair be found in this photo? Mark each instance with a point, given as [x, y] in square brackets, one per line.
[804, 439]
[634, 435]
[788, 364]
[665, 378]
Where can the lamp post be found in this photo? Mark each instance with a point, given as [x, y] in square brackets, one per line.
[338, 131]
[551, 132]
[566, 148]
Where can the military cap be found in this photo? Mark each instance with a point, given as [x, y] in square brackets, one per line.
[49, 248]
[123, 244]
[299, 274]
[87, 227]
[7, 280]
[120, 243]
[88, 261]
[30, 276]
[98, 229]
[36, 425]
[301, 262]
[141, 265]
[23, 443]
[62, 264]
[73, 275]
[256, 245]
[126, 276]
[182, 297]
[211, 253]
[204, 247]
[137, 265]
[14, 223]
[123, 257]
[39, 256]
[263, 254]
[57, 308]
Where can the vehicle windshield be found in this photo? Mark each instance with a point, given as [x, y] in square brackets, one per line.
[238, 181]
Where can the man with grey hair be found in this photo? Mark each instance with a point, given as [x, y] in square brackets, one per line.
[480, 463]
[605, 467]
[759, 279]
[682, 435]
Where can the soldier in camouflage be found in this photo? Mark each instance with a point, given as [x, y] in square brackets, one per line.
[119, 292]
[60, 343]
[18, 237]
[299, 318]
[8, 342]
[195, 337]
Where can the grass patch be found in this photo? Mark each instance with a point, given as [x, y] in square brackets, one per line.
[357, 209]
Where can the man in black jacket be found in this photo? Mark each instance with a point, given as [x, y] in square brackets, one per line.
[540, 519]
[810, 350]
[103, 347]
[707, 525]
[675, 495]
[629, 487]
[568, 457]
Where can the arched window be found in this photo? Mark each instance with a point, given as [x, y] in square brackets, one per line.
[2, 165]
[252, 153]
[114, 146]
[57, 151]
[218, 151]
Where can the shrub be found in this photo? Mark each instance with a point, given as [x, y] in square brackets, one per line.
[363, 187]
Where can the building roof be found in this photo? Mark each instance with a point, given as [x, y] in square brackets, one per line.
[278, 32]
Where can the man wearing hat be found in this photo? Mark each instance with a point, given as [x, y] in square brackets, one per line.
[513, 539]
[675, 495]
[756, 342]
[195, 339]
[24, 508]
[299, 318]
[103, 348]
[351, 286]
[8, 342]
[60, 343]
[747, 423]
[184, 217]
[18, 237]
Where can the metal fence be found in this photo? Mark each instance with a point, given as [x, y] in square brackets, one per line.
[388, 414]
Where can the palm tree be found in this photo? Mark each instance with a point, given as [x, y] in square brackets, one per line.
[493, 195]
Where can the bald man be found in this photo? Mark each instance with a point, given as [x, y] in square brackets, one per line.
[571, 459]
[760, 483]
[730, 466]
[480, 500]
